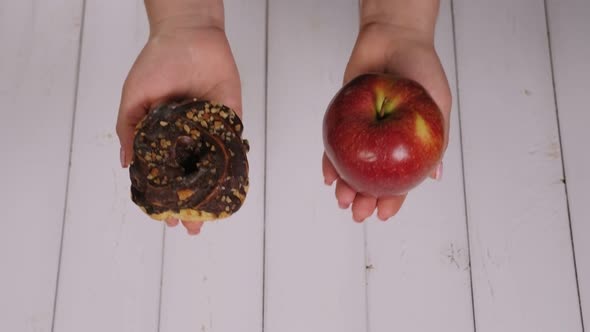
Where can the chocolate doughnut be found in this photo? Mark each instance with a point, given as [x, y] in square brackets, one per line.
[189, 162]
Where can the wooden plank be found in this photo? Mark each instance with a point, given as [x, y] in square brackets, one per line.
[522, 264]
[111, 261]
[38, 62]
[314, 252]
[214, 282]
[570, 44]
[419, 260]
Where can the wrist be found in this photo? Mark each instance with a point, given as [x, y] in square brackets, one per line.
[172, 15]
[395, 37]
[405, 19]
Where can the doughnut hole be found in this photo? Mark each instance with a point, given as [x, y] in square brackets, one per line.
[188, 154]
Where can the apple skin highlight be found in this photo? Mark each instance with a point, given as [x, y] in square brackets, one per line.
[384, 134]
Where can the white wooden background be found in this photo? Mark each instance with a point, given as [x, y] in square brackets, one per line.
[501, 244]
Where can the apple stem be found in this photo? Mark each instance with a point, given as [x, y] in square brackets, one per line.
[381, 111]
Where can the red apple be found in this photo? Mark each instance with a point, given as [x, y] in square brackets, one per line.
[384, 134]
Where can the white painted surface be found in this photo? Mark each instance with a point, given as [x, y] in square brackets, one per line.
[570, 45]
[419, 277]
[38, 62]
[111, 261]
[314, 251]
[214, 282]
[523, 273]
[315, 256]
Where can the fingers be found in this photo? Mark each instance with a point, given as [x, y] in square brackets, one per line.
[193, 227]
[363, 207]
[131, 111]
[330, 174]
[437, 172]
[344, 194]
[389, 206]
[125, 133]
[171, 222]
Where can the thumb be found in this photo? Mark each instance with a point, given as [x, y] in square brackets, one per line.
[125, 131]
[133, 107]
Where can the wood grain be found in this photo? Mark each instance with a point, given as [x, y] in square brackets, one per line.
[570, 45]
[419, 260]
[111, 261]
[314, 252]
[521, 257]
[38, 66]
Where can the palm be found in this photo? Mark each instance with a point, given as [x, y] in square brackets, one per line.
[409, 56]
[184, 62]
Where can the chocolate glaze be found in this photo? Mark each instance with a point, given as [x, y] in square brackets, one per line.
[189, 155]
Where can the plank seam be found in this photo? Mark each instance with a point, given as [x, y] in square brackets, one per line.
[162, 262]
[69, 167]
[367, 271]
[264, 194]
[569, 218]
[462, 163]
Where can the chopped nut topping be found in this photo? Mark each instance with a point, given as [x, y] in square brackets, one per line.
[184, 194]
[153, 173]
[163, 123]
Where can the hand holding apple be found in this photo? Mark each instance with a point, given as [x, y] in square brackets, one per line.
[385, 48]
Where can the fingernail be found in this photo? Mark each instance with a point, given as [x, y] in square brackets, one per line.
[122, 157]
[193, 232]
[438, 172]
[343, 205]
